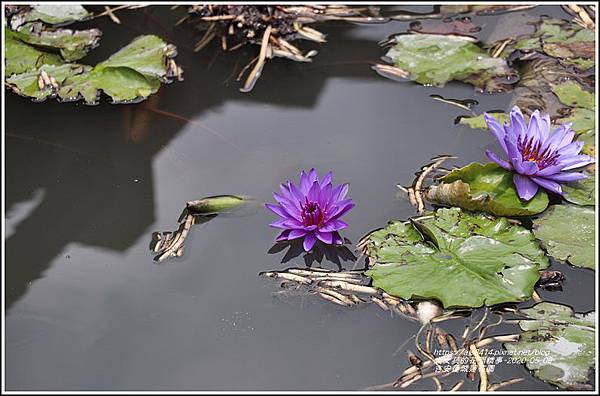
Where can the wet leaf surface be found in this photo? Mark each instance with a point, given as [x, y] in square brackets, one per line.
[432, 59]
[20, 57]
[460, 259]
[72, 44]
[486, 188]
[582, 192]
[558, 345]
[131, 74]
[567, 232]
[478, 122]
[52, 14]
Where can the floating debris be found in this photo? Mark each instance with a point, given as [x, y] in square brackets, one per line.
[171, 243]
[466, 104]
[273, 28]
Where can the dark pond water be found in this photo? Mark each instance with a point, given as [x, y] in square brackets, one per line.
[88, 309]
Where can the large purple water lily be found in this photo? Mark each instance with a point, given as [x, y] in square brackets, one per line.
[311, 210]
[538, 157]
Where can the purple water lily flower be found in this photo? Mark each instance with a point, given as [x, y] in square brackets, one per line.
[538, 157]
[311, 210]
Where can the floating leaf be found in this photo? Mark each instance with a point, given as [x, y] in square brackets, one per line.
[567, 233]
[461, 259]
[217, 204]
[52, 14]
[582, 120]
[582, 192]
[589, 139]
[487, 9]
[485, 188]
[438, 59]
[557, 344]
[571, 94]
[73, 44]
[20, 57]
[478, 122]
[131, 74]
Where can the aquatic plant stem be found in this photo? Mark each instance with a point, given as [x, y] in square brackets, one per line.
[481, 367]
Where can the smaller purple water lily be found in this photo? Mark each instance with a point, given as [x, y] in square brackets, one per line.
[311, 210]
[538, 157]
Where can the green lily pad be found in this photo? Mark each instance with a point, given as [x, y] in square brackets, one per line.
[432, 59]
[478, 122]
[583, 120]
[485, 188]
[567, 232]
[52, 14]
[131, 74]
[20, 57]
[557, 344]
[571, 94]
[582, 192]
[589, 139]
[458, 258]
[73, 45]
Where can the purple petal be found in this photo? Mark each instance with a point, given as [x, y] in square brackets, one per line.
[576, 161]
[525, 186]
[279, 224]
[297, 233]
[292, 208]
[327, 179]
[514, 155]
[305, 183]
[549, 170]
[548, 184]
[339, 193]
[496, 129]
[334, 225]
[315, 192]
[491, 155]
[278, 210]
[309, 241]
[517, 122]
[295, 191]
[555, 140]
[566, 176]
[325, 237]
[342, 209]
[526, 167]
[312, 176]
[571, 149]
[325, 196]
[536, 127]
[337, 239]
[283, 236]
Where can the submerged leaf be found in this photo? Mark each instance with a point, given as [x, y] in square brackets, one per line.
[557, 344]
[461, 259]
[437, 59]
[485, 188]
[567, 232]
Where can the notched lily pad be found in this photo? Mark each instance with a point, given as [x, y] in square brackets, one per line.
[558, 345]
[571, 94]
[72, 44]
[52, 14]
[567, 232]
[458, 258]
[478, 122]
[485, 188]
[432, 59]
[582, 192]
[20, 57]
[132, 74]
